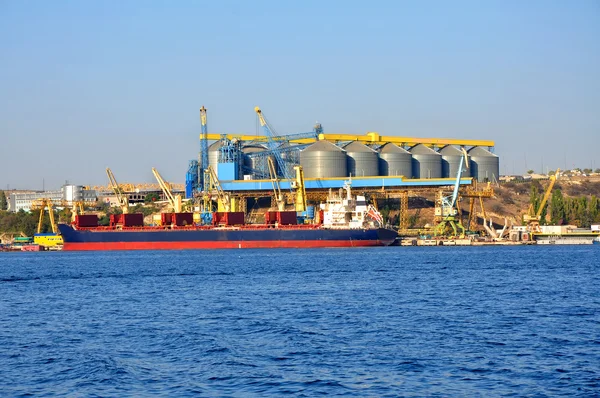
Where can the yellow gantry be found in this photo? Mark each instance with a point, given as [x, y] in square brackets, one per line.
[368, 138]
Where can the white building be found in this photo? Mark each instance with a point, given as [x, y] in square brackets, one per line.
[65, 197]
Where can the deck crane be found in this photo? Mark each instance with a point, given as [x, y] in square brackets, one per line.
[123, 201]
[77, 210]
[174, 200]
[298, 185]
[202, 175]
[276, 188]
[223, 198]
[533, 218]
[273, 143]
[446, 210]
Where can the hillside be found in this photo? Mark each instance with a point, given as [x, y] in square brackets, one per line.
[511, 200]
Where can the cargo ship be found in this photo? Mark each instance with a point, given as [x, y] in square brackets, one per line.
[343, 222]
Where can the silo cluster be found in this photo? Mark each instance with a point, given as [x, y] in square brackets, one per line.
[323, 159]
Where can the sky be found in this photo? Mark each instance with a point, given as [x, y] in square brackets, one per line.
[88, 85]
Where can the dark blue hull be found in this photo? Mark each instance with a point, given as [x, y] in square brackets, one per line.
[150, 238]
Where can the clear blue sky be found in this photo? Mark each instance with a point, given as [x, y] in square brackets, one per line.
[85, 85]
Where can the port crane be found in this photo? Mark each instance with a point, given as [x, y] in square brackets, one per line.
[123, 201]
[273, 142]
[174, 200]
[533, 218]
[44, 204]
[474, 193]
[446, 210]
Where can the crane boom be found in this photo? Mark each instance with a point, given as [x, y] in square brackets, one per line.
[464, 158]
[547, 194]
[272, 142]
[533, 217]
[174, 200]
[123, 202]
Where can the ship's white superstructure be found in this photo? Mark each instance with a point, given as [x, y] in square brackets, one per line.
[344, 211]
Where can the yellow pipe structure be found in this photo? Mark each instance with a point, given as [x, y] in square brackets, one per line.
[368, 138]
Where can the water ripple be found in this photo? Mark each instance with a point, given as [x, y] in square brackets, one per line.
[362, 322]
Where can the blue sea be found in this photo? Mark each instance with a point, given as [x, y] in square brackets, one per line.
[395, 321]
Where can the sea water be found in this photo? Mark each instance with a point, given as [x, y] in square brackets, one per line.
[394, 321]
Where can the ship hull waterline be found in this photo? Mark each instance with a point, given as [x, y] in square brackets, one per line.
[97, 240]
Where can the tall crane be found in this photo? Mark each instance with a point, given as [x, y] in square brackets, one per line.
[203, 164]
[123, 201]
[174, 200]
[446, 210]
[273, 144]
[533, 217]
[276, 188]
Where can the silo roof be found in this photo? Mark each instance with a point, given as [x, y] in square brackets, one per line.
[481, 152]
[356, 146]
[215, 145]
[421, 149]
[450, 150]
[323, 146]
[253, 148]
[392, 148]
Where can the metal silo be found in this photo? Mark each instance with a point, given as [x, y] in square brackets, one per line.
[323, 159]
[451, 159]
[255, 163]
[427, 163]
[213, 154]
[362, 160]
[395, 161]
[485, 166]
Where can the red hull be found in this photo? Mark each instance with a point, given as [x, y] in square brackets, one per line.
[298, 244]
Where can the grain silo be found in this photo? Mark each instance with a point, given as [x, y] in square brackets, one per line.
[362, 160]
[485, 166]
[451, 159]
[253, 164]
[426, 162]
[213, 154]
[323, 159]
[395, 161]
